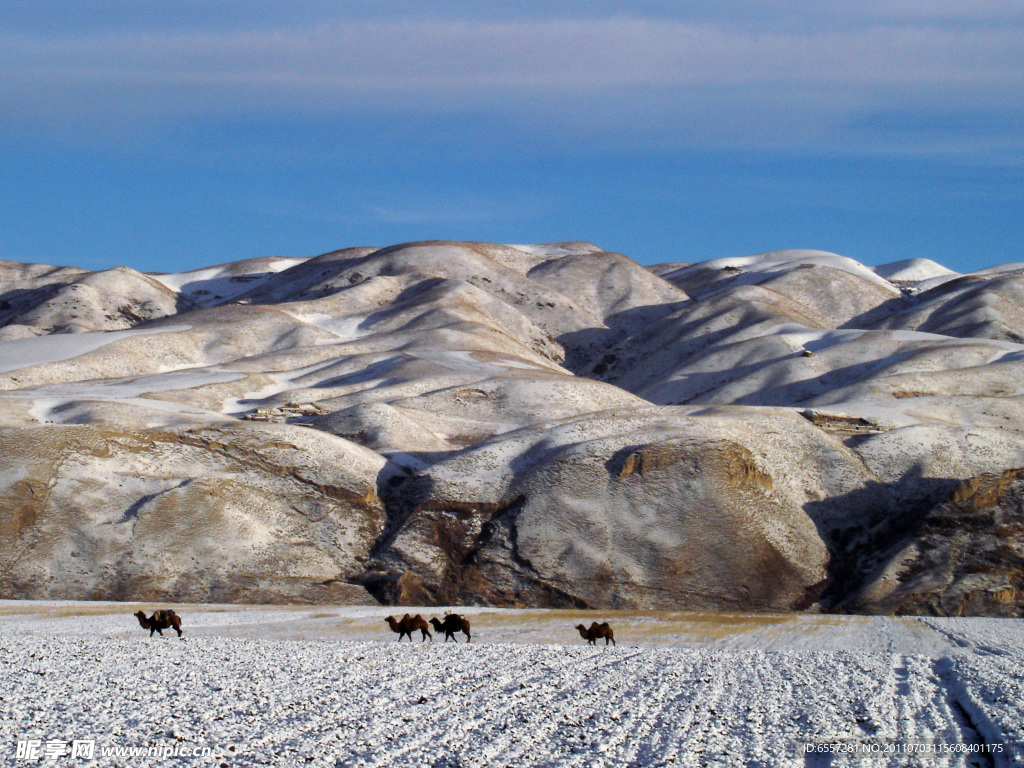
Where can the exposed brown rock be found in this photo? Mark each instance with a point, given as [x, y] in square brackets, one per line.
[966, 556]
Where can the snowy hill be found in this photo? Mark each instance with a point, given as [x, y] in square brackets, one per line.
[546, 425]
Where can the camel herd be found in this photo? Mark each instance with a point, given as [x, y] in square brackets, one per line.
[448, 626]
[455, 622]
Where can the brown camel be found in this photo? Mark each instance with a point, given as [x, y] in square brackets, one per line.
[453, 622]
[408, 625]
[159, 621]
[596, 631]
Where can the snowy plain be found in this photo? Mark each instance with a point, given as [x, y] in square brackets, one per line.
[327, 686]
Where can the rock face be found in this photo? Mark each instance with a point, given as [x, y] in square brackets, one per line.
[964, 557]
[539, 425]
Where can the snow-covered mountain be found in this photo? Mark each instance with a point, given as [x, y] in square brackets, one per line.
[548, 425]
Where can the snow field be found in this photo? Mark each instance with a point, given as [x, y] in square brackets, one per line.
[39, 350]
[341, 702]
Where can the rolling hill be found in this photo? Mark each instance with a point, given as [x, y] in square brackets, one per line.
[529, 425]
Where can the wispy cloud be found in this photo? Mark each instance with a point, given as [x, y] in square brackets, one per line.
[701, 80]
[439, 209]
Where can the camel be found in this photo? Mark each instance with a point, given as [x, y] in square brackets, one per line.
[453, 622]
[408, 625]
[159, 621]
[596, 631]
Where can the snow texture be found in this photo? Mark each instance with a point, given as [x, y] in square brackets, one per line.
[331, 686]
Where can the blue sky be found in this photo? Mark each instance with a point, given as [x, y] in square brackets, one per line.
[168, 136]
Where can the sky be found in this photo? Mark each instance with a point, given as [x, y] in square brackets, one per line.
[170, 136]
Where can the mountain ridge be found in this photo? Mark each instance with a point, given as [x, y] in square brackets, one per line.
[540, 425]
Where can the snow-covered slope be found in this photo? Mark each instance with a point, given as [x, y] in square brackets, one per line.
[535, 425]
[912, 270]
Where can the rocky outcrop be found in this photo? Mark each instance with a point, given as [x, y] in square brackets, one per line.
[964, 557]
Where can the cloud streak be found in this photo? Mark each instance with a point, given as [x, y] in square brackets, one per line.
[702, 81]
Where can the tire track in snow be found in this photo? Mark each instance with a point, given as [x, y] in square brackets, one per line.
[971, 732]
